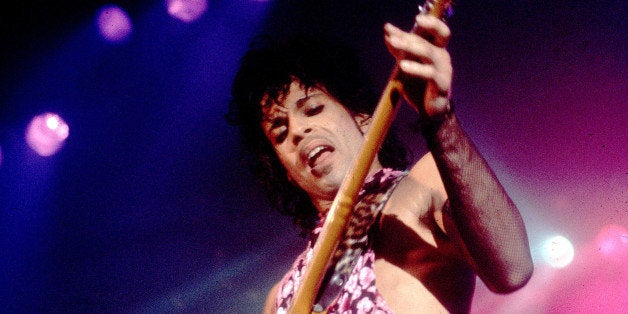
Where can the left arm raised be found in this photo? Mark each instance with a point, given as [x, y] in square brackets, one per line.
[479, 216]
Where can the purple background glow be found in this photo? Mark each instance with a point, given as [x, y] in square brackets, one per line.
[114, 24]
[186, 10]
[147, 208]
[46, 133]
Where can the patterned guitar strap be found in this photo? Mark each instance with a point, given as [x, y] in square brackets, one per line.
[371, 201]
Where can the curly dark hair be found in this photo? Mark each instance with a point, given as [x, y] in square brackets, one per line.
[267, 70]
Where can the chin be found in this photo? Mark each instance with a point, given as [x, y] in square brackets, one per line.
[334, 180]
[326, 185]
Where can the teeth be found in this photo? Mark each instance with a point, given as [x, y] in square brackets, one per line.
[315, 151]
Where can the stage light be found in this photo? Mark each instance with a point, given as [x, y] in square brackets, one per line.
[186, 10]
[114, 23]
[557, 251]
[46, 133]
[612, 242]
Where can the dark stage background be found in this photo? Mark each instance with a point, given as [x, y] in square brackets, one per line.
[147, 209]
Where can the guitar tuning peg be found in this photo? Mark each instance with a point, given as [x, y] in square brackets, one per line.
[428, 6]
[424, 8]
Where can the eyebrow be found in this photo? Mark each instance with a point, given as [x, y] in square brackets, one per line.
[303, 100]
[308, 94]
[273, 116]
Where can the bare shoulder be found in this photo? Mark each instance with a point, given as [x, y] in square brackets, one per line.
[426, 173]
[417, 264]
[269, 306]
[421, 194]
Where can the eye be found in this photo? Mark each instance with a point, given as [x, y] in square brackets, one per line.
[313, 110]
[278, 130]
[279, 135]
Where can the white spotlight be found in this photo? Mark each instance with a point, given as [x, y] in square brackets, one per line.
[557, 251]
[46, 133]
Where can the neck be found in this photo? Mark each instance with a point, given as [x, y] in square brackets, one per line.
[324, 204]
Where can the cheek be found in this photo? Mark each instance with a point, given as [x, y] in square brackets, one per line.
[352, 132]
[286, 161]
[281, 156]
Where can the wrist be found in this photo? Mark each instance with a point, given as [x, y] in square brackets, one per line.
[434, 126]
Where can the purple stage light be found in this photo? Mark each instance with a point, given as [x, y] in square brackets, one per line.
[186, 10]
[46, 133]
[114, 23]
[612, 242]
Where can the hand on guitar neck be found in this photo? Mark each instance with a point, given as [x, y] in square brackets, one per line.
[424, 65]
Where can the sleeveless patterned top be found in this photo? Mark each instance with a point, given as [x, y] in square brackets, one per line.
[351, 283]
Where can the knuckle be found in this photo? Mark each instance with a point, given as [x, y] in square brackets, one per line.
[431, 52]
[446, 33]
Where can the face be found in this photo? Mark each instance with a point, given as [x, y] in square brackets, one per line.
[315, 138]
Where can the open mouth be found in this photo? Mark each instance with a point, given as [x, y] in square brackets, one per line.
[316, 153]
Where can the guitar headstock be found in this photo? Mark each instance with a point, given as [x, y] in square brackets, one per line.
[438, 8]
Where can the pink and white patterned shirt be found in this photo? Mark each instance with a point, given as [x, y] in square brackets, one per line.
[358, 293]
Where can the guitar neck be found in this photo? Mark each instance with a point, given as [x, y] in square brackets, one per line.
[340, 212]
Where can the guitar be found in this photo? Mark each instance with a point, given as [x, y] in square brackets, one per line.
[339, 214]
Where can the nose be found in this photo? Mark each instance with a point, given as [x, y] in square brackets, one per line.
[298, 133]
